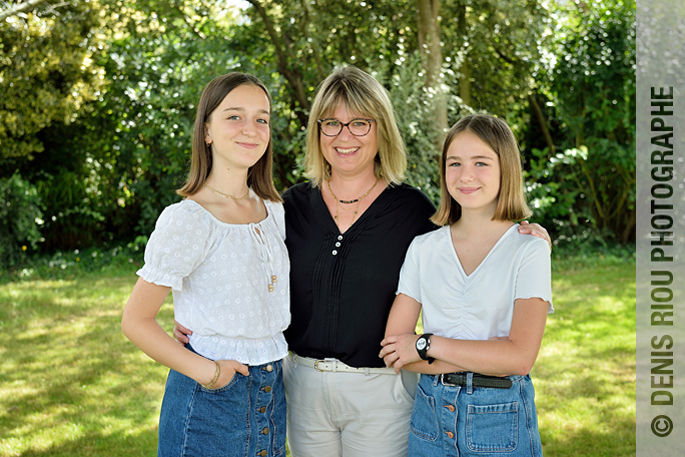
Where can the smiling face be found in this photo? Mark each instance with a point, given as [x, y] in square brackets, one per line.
[238, 129]
[348, 154]
[472, 173]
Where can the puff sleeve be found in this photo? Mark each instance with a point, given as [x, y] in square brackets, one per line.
[179, 243]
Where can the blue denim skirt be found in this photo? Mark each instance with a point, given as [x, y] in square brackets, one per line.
[454, 421]
[246, 417]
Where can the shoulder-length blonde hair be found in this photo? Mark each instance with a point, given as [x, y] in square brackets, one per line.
[366, 97]
[511, 202]
[259, 177]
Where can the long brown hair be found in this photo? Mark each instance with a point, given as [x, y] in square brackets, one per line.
[259, 177]
[511, 202]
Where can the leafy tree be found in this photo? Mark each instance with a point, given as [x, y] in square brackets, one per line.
[47, 74]
[98, 97]
[14, 9]
[592, 84]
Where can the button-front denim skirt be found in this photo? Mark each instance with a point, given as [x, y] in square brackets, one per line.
[454, 421]
[246, 417]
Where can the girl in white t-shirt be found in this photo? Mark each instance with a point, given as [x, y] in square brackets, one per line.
[222, 253]
[485, 292]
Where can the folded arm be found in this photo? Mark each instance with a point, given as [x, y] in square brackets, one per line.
[402, 320]
[499, 357]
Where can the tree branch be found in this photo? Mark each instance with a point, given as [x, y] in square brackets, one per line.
[188, 22]
[541, 121]
[283, 58]
[20, 8]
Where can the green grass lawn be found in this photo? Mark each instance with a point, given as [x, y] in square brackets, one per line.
[72, 385]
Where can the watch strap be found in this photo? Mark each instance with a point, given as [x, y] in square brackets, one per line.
[423, 352]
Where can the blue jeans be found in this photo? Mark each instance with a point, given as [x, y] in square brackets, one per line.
[246, 417]
[454, 421]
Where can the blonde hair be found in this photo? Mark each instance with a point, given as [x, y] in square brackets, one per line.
[259, 177]
[511, 202]
[365, 96]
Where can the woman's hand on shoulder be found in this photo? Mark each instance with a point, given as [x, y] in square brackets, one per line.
[526, 228]
[399, 350]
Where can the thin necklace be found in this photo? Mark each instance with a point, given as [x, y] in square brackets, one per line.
[349, 202]
[227, 195]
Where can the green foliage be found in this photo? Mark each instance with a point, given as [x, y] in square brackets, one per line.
[592, 84]
[20, 219]
[552, 190]
[107, 91]
[67, 265]
[47, 75]
[412, 102]
[498, 45]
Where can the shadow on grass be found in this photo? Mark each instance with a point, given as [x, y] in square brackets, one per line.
[72, 385]
[589, 443]
[71, 382]
[99, 444]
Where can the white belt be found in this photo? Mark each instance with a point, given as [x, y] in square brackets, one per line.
[336, 366]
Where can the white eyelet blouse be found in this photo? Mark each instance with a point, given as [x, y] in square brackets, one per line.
[230, 282]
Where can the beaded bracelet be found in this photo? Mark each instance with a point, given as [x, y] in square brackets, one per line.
[216, 376]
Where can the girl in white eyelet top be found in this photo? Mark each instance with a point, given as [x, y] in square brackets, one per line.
[220, 275]
[221, 252]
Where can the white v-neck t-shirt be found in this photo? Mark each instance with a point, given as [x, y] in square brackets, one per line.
[478, 306]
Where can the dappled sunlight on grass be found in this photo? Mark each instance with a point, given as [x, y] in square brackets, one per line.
[585, 373]
[68, 374]
[72, 385]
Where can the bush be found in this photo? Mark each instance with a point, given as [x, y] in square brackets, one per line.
[20, 219]
[592, 85]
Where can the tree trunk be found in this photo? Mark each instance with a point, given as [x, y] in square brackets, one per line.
[431, 59]
[465, 70]
[541, 120]
[283, 57]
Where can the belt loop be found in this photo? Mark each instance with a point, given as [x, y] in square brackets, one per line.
[367, 371]
[436, 379]
[469, 382]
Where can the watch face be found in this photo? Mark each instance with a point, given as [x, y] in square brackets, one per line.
[421, 344]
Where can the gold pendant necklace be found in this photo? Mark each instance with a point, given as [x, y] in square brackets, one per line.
[221, 194]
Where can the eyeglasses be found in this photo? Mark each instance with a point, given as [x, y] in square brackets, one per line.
[333, 127]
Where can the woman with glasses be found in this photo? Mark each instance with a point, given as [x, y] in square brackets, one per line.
[347, 232]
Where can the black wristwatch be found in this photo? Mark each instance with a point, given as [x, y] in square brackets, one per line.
[423, 344]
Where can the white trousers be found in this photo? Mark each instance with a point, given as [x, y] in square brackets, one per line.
[341, 414]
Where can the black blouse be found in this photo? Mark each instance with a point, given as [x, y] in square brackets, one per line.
[343, 285]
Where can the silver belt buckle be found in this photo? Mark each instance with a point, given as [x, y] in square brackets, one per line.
[444, 382]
